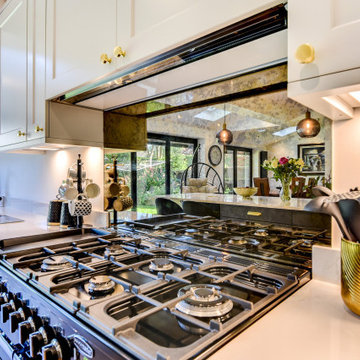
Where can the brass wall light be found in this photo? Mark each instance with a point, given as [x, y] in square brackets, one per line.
[224, 136]
[308, 127]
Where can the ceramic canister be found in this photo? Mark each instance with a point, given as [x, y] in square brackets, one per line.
[66, 220]
[54, 212]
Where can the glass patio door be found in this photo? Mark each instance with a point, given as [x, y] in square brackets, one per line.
[237, 168]
[150, 174]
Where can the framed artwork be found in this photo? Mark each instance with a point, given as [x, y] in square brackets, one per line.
[314, 158]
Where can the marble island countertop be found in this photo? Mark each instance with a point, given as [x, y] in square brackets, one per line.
[229, 199]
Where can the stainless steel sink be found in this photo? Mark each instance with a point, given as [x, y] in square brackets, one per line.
[4, 219]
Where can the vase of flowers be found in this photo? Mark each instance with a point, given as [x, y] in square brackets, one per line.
[284, 169]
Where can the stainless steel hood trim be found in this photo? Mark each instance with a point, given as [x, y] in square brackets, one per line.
[252, 28]
[207, 82]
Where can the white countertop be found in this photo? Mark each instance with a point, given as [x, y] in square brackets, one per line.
[33, 224]
[229, 199]
[312, 324]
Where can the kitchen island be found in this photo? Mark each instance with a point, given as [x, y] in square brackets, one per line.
[263, 209]
[236, 200]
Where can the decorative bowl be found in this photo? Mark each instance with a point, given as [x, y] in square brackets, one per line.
[246, 192]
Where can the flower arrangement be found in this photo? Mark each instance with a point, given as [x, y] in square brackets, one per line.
[284, 169]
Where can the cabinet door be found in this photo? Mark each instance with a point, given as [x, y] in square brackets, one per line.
[168, 24]
[36, 70]
[13, 76]
[78, 32]
[331, 27]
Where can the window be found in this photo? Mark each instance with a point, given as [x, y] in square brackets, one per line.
[237, 168]
[156, 171]
[150, 174]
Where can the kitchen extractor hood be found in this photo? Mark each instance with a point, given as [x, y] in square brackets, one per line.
[248, 30]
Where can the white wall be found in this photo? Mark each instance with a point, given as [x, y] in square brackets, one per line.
[37, 177]
[346, 159]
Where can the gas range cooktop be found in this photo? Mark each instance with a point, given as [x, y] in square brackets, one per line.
[150, 297]
[291, 246]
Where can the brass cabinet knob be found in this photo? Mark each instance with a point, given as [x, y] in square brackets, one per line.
[305, 54]
[105, 59]
[20, 133]
[38, 129]
[119, 52]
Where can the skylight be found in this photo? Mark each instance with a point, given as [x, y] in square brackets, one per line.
[285, 132]
[212, 114]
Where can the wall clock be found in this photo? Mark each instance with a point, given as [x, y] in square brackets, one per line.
[215, 155]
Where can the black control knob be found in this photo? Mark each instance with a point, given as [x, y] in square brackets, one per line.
[52, 351]
[4, 298]
[39, 339]
[25, 329]
[16, 318]
[59, 348]
[3, 286]
[6, 310]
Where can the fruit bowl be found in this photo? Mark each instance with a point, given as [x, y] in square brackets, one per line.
[246, 192]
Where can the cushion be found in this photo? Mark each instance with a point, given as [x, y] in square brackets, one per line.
[211, 189]
[197, 182]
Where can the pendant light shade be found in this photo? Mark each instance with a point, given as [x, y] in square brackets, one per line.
[308, 127]
[224, 136]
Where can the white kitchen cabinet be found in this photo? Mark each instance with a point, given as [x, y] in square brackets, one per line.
[22, 85]
[77, 33]
[331, 27]
[36, 114]
[22, 72]
[13, 72]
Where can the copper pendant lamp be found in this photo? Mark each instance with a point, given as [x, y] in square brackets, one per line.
[308, 127]
[224, 136]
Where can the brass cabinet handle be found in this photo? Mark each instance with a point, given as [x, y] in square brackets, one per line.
[38, 129]
[254, 213]
[305, 54]
[20, 133]
[119, 52]
[105, 59]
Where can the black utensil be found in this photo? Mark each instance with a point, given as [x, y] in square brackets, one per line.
[350, 212]
[319, 206]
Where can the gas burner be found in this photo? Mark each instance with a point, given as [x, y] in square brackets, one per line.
[100, 285]
[114, 250]
[55, 263]
[159, 232]
[261, 232]
[303, 243]
[238, 240]
[217, 226]
[161, 264]
[191, 231]
[203, 301]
